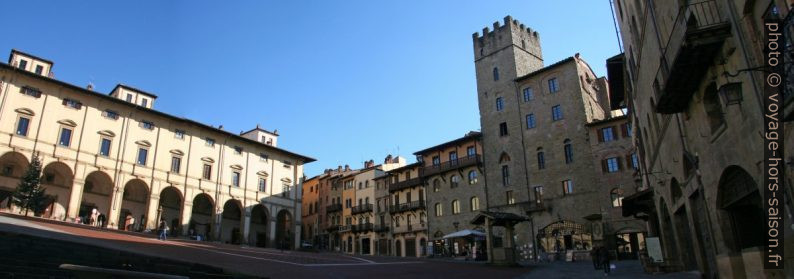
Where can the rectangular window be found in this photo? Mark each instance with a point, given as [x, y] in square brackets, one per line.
[66, 137]
[23, 64]
[236, 178]
[612, 164]
[104, 147]
[147, 125]
[176, 164]
[207, 173]
[129, 98]
[505, 175]
[607, 134]
[238, 150]
[30, 91]
[436, 160]
[179, 134]
[510, 198]
[567, 187]
[110, 114]
[538, 194]
[22, 126]
[529, 95]
[142, 153]
[553, 86]
[75, 104]
[262, 185]
[144, 102]
[209, 142]
[39, 69]
[530, 121]
[500, 105]
[503, 129]
[471, 151]
[556, 113]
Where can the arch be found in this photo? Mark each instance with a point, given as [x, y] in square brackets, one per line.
[231, 222]
[135, 199]
[258, 231]
[171, 208]
[201, 216]
[57, 181]
[740, 207]
[97, 192]
[283, 231]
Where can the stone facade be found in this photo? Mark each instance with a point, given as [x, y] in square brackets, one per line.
[126, 159]
[701, 152]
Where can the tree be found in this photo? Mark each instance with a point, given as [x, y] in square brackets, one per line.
[29, 194]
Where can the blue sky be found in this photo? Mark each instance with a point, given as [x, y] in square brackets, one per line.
[342, 81]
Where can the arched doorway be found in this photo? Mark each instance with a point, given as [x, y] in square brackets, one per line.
[97, 192]
[741, 214]
[257, 235]
[231, 221]
[134, 203]
[171, 208]
[57, 180]
[564, 235]
[12, 166]
[283, 231]
[200, 224]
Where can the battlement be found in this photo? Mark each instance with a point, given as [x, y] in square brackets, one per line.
[510, 24]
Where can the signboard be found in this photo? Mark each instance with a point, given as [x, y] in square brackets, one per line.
[654, 249]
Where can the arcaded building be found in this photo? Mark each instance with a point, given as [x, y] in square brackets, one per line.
[540, 162]
[115, 153]
[696, 97]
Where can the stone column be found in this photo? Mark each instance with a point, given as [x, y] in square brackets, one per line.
[75, 197]
[187, 213]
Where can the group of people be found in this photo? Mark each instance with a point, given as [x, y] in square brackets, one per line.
[600, 256]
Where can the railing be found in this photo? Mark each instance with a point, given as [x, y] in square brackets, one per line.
[405, 184]
[363, 227]
[450, 165]
[414, 205]
[333, 208]
[362, 208]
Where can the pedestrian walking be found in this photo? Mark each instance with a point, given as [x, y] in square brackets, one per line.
[603, 254]
[163, 230]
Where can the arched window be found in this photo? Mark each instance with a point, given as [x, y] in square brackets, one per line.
[472, 177]
[568, 151]
[541, 159]
[455, 207]
[495, 73]
[475, 203]
[500, 104]
[439, 210]
[436, 185]
[453, 181]
[616, 195]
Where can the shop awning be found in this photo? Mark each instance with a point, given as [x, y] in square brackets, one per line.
[464, 233]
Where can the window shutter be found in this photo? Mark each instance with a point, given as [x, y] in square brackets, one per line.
[624, 130]
[600, 133]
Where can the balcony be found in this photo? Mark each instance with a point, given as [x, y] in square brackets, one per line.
[362, 208]
[450, 165]
[381, 228]
[333, 208]
[405, 184]
[696, 37]
[366, 227]
[414, 205]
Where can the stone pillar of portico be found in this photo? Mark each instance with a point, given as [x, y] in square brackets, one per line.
[74, 199]
[187, 212]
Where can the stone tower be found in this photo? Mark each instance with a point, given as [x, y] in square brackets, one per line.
[500, 56]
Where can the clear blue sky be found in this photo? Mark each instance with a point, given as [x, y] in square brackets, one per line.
[343, 82]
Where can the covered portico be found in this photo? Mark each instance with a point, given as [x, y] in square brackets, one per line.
[505, 254]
